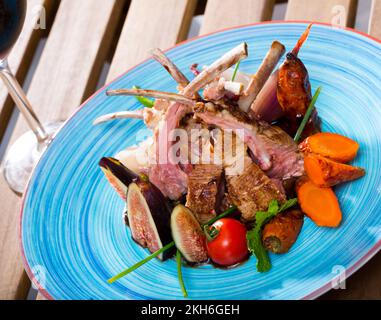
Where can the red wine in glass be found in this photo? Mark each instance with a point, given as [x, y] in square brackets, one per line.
[12, 16]
[24, 153]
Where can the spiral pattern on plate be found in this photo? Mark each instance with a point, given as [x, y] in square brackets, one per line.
[72, 232]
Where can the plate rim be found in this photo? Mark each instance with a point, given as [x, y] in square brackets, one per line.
[314, 294]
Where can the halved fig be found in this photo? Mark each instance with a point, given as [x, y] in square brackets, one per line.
[118, 175]
[188, 235]
[149, 217]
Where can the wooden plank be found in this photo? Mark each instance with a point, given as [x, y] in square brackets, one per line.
[337, 12]
[68, 71]
[22, 54]
[150, 24]
[375, 21]
[364, 284]
[228, 13]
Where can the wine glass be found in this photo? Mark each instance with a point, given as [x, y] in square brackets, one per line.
[24, 153]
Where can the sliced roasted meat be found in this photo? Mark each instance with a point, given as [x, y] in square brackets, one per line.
[252, 191]
[165, 173]
[274, 150]
[287, 161]
[226, 121]
[204, 185]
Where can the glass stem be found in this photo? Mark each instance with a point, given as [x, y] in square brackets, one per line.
[21, 101]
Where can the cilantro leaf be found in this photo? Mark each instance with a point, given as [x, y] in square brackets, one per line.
[288, 204]
[254, 240]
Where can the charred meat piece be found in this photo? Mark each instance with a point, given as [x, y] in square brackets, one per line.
[252, 191]
[289, 187]
[204, 184]
[281, 232]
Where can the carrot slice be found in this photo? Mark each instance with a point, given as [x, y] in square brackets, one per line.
[319, 204]
[327, 173]
[331, 145]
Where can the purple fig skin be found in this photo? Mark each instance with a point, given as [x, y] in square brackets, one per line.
[157, 203]
[122, 173]
[160, 212]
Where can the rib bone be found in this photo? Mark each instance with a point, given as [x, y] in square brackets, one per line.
[138, 114]
[259, 79]
[215, 69]
[172, 69]
[152, 94]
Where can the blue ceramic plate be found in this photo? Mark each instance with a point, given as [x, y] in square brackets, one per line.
[72, 232]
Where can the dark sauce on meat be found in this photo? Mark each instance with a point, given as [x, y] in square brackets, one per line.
[290, 126]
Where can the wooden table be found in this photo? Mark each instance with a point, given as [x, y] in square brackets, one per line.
[82, 35]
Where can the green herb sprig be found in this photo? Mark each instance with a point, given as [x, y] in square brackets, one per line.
[222, 215]
[307, 116]
[165, 248]
[236, 70]
[254, 236]
[140, 263]
[180, 274]
[143, 100]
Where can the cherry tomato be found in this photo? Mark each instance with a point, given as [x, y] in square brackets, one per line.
[229, 246]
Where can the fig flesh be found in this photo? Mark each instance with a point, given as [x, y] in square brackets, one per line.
[118, 175]
[188, 235]
[149, 217]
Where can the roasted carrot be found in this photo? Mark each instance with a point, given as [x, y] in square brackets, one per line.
[331, 145]
[281, 232]
[327, 173]
[319, 204]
